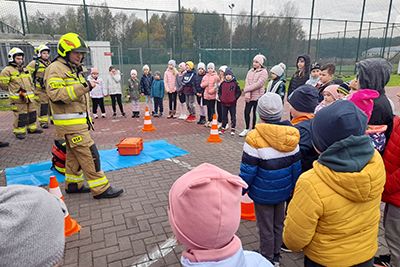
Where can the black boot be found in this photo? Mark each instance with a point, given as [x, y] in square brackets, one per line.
[110, 193]
[35, 131]
[73, 189]
[134, 114]
[20, 136]
[202, 120]
[137, 114]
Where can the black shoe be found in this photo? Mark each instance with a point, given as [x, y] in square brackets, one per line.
[44, 126]
[382, 260]
[35, 131]
[137, 114]
[73, 189]
[4, 144]
[110, 193]
[114, 115]
[202, 120]
[285, 248]
[134, 114]
[20, 136]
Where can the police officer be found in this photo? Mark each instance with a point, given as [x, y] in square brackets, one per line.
[16, 79]
[37, 68]
[69, 99]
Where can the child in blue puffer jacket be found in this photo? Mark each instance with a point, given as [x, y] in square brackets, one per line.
[157, 91]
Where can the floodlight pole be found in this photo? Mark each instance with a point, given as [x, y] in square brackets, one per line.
[359, 35]
[231, 6]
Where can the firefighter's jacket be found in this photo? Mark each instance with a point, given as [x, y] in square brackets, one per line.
[41, 66]
[69, 97]
[15, 79]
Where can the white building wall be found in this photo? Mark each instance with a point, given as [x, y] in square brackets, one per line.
[99, 60]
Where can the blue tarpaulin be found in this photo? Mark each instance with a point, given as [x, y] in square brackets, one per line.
[38, 174]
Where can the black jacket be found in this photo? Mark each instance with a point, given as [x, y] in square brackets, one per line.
[296, 81]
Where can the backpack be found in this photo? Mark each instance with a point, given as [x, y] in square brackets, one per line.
[59, 156]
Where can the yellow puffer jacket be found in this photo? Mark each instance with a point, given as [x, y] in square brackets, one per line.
[334, 216]
[69, 95]
[13, 78]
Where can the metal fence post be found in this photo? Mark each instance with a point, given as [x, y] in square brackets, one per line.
[311, 21]
[359, 35]
[86, 20]
[337, 47]
[366, 48]
[251, 32]
[344, 39]
[387, 29]
[148, 36]
[180, 30]
[26, 17]
[289, 43]
[22, 17]
[390, 41]
[318, 37]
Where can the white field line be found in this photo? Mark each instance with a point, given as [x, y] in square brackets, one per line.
[181, 163]
[157, 253]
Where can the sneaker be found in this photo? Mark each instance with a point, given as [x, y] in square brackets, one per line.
[95, 116]
[123, 115]
[222, 130]
[285, 248]
[233, 131]
[382, 261]
[277, 256]
[219, 124]
[191, 118]
[244, 132]
[103, 115]
[155, 115]
[160, 115]
[114, 115]
[207, 124]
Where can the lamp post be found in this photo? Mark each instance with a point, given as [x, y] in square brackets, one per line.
[41, 23]
[231, 6]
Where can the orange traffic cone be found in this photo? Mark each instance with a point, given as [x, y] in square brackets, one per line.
[247, 208]
[147, 127]
[214, 136]
[71, 226]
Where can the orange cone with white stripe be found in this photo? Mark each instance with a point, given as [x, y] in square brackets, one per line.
[214, 136]
[247, 206]
[147, 127]
[71, 226]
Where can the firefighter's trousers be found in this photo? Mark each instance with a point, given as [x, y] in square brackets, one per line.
[42, 106]
[24, 117]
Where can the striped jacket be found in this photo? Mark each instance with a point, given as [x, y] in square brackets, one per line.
[271, 162]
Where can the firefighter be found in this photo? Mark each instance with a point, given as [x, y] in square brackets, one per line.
[37, 68]
[17, 80]
[68, 91]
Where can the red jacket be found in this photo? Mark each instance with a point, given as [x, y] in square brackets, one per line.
[391, 158]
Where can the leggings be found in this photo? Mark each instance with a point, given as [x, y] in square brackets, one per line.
[172, 100]
[149, 103]
[135, 104]
[210, 108]
[247, 110]
[118, 98]
[219, 111]
[98, 102]
[182, 98]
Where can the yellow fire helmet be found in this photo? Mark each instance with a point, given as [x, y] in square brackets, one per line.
[40, 49]
[71, 42]
[15, 51]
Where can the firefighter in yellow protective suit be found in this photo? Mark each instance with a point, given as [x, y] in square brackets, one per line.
[16, 79]
[68, 91]
[37, 68]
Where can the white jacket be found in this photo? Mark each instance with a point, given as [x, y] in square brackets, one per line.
[239, 259]
[113, 84]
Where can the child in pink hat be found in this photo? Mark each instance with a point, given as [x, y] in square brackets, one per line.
[364, 100]
[330, 95]
[204, 213]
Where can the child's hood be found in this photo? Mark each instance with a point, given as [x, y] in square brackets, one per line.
[308, 62]
[283, 138]
[352, 168]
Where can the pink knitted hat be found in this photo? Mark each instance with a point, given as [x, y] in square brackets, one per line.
[364, 100]
[133, 71]
[260, 58]
[182, 65]
[204, 212]
[94, 70]
[332, 89]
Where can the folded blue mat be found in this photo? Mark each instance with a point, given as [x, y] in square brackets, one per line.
[38, 174]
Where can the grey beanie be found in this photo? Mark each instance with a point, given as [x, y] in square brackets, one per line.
[270, 107]
[31, 227]
[278, 69]
[172, 62]
[211, 65]
[157, 73]
[201, 65]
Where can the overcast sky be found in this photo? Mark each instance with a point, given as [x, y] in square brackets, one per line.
[376, 10]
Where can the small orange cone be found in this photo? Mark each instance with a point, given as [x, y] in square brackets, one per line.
[147, 127]
[214, 136]
[247, 208]
[71, 226]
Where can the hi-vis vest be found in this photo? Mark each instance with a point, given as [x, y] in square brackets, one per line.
[12, 79]
[68, 93]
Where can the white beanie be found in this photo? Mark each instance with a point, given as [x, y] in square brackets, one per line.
[201, 65]
[211, 65]
[172, 62]
[223, 68]
[31, 227]
[278, 69]
[146, 67]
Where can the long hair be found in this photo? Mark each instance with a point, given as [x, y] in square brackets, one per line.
[302, 75]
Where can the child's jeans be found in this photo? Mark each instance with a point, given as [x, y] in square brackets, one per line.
[190, 104]
[149, 102]
[135, 104]
[232, 111]
[98, 102]
[158, 104]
